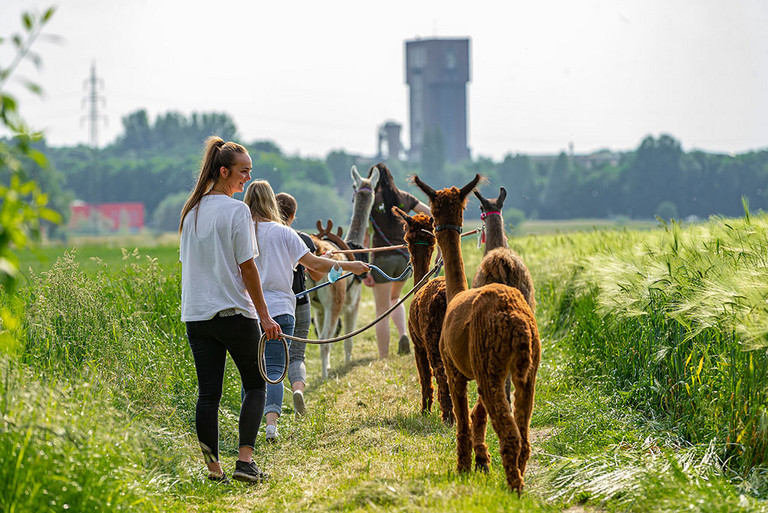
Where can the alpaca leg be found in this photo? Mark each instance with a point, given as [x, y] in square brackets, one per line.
[319, 320]
[490, 387]
[328, 325]
[457, 383]
[325, 360]
[425, 373]
[443, 392]
[479, 425]
[350, 322]
[444, 395]
[524, 394]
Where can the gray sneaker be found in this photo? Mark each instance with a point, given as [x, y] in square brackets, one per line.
[271, 434]
[298, 402]
[248, 472]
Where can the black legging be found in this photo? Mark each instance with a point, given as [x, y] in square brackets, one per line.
[210, 341]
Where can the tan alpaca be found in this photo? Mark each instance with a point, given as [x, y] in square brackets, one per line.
[501, 264]
[488, 333]
[427, 310]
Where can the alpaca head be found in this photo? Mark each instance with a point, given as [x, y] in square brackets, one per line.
[419, 229]
[448, 204]
[365, 183]
[492, 205]
[362, 203]
[364, 188]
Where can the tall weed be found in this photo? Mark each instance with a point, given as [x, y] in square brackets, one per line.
[64, 449]
[677, 319]
[118, 327]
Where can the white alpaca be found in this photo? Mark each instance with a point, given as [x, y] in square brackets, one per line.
[342, 299]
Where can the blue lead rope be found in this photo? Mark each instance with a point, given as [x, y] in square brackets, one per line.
[399, 278]
[371, 266]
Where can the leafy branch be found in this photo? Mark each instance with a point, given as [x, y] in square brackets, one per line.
[22, 203]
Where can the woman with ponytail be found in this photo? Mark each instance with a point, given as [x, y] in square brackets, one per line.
[222, 301]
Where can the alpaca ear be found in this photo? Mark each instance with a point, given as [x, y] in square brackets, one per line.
[355, 176]
[484, 205]
[502, 196]
[374, 177]
[469, 187]
[429, 191]
[405, 217]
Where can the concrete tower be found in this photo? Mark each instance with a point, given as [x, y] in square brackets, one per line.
[437, 73]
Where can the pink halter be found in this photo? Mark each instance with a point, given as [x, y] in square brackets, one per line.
[483, 215]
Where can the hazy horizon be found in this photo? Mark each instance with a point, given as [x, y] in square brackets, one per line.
[313, 78]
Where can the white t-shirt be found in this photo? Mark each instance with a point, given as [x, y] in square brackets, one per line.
[211, 254]
[280, 249]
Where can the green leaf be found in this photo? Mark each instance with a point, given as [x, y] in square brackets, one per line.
[33, 87]
[38, 157]
[8, 102]
[48, 13]
[8, 268]
[28, 188]
[26, 18]
[17, 41]
[50, 215]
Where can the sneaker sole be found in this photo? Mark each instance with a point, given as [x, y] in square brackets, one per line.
[248, 478]
[219, 479]
[298, 403]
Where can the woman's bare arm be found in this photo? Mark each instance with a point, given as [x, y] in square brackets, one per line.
[252, 282]
[321, 264]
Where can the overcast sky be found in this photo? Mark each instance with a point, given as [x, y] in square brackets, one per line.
[316, 76]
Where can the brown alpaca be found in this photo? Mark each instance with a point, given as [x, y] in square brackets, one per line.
[488, 333]
[425, 317]
[500, 263]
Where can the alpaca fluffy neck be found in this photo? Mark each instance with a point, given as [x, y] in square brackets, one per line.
[421, 258]
[360, 212]
[455, 278]
[494, 233]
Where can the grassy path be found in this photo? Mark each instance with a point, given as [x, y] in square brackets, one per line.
[365, 445]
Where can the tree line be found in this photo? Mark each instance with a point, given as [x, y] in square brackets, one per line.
[156, 162]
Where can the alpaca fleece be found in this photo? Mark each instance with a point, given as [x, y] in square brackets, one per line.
[488, 333]
[425, 317]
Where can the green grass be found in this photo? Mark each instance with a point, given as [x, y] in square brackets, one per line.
[93, 257]
[669, 319]
[98, 404]
[548, 226]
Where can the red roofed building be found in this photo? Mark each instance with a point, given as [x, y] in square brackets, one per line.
[110, 217]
